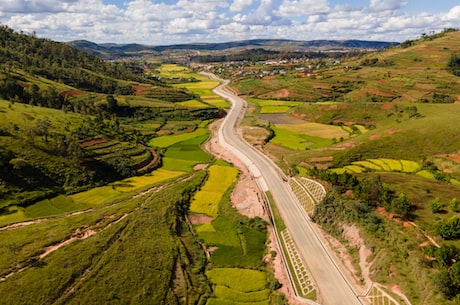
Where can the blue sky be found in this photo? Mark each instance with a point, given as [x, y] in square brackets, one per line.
[156, 22]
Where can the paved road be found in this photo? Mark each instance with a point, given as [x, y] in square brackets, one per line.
[333, 288]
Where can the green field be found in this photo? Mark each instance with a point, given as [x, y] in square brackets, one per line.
[166, 141]
[274, 106]
[296, 140]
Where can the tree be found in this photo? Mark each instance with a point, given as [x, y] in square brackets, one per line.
[446, 255]
[112, 103]
[401, 205]
[453, 66]
[42, 127]
[436, 205]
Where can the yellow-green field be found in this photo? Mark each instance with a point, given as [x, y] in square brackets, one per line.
[173, 71]
[139, 182]
[243, 280]
[316, 129]
[203, 87]
[206, 201]
[96, 196]
[384, 164]
[192, 104]
[274, 106]
[169, 140]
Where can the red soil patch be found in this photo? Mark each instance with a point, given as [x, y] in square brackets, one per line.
[199, 218]
[453, 157]
[382, 81]
[140, 90]
[382, 212]
[72, 93]
[392, 131]
[342, 106]
[152, 162]
[387, 106]
[374, 137]
[92, 142]
[281, 93]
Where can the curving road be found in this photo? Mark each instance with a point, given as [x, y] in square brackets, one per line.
[334, 289]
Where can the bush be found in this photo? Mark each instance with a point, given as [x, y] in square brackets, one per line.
[436, 205]
[449, 228]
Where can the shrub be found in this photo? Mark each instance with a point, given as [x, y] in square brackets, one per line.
[449, 228]
[436, 205]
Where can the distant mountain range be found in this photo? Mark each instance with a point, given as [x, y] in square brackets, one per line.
[112, 50]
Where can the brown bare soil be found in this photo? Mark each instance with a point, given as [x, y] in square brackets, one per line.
[153, 161]
[140, 90]
[387, 106]
[281, 93]
[341, 255]
[199, 218]
[392, 131]
[92, 142]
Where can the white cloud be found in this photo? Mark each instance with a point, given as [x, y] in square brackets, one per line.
[453, 14]
[384, 5]
[303, 7]
[239, 5]
[179, 21]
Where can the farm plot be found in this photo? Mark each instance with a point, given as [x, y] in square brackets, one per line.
[274, 106]
[207, 200]
[238, 286]
[166, 141]
[183, 156]
[201, 85]
[295, 140]
[382, 164]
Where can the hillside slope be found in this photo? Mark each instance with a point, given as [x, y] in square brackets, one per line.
[68, 118]
[381, 130]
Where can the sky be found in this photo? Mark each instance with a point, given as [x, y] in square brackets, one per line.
[166, 22]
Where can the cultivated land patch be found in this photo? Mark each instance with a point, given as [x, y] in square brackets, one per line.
[168, 140]
[274, 106]
[295, 140]
[238, 286]
[207, 200]
[201, 85]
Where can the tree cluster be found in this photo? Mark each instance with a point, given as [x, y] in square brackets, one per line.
[368, 191]
[60, 62]
[446, 260]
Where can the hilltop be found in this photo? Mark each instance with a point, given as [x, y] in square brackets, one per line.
[278, 46]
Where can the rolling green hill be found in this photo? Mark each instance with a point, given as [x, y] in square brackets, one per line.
[395, 173]
[72, 121]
